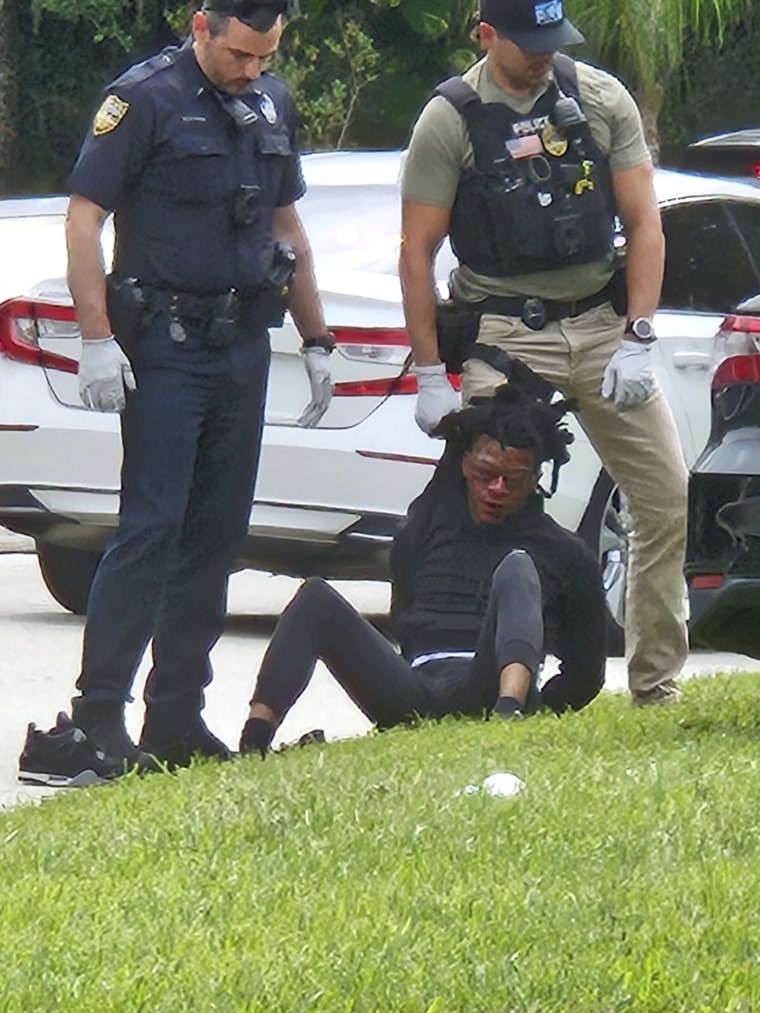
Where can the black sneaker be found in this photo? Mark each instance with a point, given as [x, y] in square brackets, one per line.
[64, 757]
[178, 749]
[103, 724]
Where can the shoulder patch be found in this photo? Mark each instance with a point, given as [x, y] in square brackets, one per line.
[109, 116]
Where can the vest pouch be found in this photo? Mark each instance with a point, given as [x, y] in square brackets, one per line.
[501, 230]
[126, 303]
[457, 326]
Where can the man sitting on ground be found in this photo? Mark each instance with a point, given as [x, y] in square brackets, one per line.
[484, 584]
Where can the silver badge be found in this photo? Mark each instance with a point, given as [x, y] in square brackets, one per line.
[267, 109]
[176, 331]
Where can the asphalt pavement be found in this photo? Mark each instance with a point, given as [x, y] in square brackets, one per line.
[40, 647]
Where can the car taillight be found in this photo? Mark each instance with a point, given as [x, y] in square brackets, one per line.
[707, 581]
[406, 383]
[756, 170]
[25, 324]
[737, 351]
[387, 345]
[371, 337]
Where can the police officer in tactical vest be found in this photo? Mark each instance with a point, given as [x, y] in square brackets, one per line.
[536, 167]
[195, 153]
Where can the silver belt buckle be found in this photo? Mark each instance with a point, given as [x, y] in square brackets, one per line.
[534, 313]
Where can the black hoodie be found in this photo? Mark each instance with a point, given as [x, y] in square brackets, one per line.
[442, 564]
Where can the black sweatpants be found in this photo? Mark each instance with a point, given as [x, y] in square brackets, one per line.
[319, 624]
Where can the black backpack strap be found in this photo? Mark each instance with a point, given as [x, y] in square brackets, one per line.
[456, 91]
[566, 75]
[515, 370]
[469, 105]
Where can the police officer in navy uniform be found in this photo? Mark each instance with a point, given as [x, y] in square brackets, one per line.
[194, 151]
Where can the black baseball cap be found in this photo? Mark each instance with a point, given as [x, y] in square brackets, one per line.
[260, 15]
[536, 26]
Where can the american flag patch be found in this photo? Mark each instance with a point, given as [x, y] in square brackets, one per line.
[524, 147]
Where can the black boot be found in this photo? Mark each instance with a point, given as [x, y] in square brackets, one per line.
[175, 743]
[102, 722]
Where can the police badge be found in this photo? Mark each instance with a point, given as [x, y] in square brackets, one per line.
[109, 116]
[554, 141]
[267, 109]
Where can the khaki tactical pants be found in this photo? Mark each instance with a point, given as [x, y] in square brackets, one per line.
[641, 451]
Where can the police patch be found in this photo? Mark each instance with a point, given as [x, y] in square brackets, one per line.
[109, 116]
[268, 111]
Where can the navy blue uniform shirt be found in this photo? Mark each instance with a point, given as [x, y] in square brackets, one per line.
[167, 158]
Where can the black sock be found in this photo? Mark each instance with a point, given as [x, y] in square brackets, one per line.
[256, 736]
[508, 707]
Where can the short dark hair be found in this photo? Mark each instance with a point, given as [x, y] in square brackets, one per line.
[217, 23]
[514, 417]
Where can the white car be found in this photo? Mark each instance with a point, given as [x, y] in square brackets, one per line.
[329, 499]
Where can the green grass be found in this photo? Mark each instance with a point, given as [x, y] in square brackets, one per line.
[354, 877]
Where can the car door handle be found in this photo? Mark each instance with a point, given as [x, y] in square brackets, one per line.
[700, 360]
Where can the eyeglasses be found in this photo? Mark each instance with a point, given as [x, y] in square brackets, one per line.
[513, 478]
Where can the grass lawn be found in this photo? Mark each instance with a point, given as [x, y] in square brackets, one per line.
[357, 877]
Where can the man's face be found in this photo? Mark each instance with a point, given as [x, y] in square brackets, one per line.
[499, 480]
[237, 57]
[521, 72]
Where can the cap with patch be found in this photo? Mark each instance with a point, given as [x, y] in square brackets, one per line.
[536, 26]
[260, 15]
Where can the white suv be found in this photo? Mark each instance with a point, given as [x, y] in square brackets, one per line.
[329, 499]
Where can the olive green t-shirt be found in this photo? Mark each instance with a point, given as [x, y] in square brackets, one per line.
[440, 149]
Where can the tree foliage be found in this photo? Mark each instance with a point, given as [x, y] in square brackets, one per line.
[645, 41]
[360, 69]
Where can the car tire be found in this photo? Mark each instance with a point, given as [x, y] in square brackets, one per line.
[604, 529]
[68, 574]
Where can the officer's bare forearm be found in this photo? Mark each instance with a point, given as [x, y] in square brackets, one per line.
[86, 272]
[645, 259]
[423, 228]
[645, 250]
[305, 304]
[418, 293]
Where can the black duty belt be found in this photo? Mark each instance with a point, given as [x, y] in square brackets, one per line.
[537, 313]
[232, 302]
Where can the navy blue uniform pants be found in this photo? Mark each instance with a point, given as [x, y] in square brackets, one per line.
[191, 436]
[320, 624]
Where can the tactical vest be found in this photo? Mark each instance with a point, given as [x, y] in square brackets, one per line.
[539, 195]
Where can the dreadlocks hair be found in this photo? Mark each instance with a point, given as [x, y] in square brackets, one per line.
[514, 417]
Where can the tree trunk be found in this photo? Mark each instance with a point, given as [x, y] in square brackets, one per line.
[9, 56]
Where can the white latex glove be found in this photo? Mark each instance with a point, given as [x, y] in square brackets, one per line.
[628, 377]
[435, 396]
[317, 363]
[105, 374]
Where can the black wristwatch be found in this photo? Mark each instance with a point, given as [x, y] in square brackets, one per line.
[325, 341]
[641, 329]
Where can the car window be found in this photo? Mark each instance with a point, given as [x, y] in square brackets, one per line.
[746, 218]
[711, 260]
[357, 228]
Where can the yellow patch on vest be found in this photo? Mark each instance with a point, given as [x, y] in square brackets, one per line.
[554, 141]
[109, 116]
